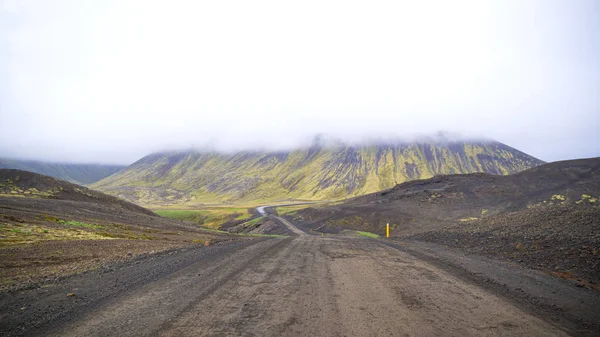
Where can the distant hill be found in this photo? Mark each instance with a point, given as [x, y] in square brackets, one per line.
[76, 173]
[17, 183]
[318, 172]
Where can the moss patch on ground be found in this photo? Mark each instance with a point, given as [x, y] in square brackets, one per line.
[291, 210]
[211, 217]
[14, 234]
[367, 234]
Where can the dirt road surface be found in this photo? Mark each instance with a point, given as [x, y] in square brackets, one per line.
[290, 226]
[299, 286]
[308, 286]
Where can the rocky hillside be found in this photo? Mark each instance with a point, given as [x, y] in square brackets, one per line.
[51, 228]
[319, 172]
[76, 173]
[419, 205]
[546, 217]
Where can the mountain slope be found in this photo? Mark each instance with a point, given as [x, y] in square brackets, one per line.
[75, 173]
[313, 173]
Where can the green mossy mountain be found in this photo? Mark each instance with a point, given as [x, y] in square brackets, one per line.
[318, 172]
[81, 174]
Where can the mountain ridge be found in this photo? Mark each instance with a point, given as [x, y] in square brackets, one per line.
[316, 172]
[76, 173]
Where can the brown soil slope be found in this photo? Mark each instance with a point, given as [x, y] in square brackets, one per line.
[51, 228]
[547, 217]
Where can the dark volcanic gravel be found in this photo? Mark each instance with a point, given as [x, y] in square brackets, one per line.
[561, 240]
[27, 312]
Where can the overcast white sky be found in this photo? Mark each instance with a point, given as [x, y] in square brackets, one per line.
[111, 81]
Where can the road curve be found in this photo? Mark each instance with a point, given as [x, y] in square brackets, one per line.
[261, 209]
[281, 220]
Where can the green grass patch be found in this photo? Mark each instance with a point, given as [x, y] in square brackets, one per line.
[253, 222]
[291, 210]
[367, 234]
[217, 231]
[27, 233]
[212, 217]
[181, 214]
[212, 230]
[80, 224]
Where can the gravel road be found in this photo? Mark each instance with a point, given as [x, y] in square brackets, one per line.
[290, 226]
[297, 286]
[308, 286]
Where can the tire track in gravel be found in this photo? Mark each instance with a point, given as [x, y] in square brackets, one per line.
[286, 293]
[142, 312]
[320, 287]
[312, 286]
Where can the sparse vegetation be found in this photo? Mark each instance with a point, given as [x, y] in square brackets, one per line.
[367, 234]
[435, 196]
[588, 198]
[27, 233]
[80, 224]
[252, 222]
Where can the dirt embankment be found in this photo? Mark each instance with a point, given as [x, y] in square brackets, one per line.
[561, 240]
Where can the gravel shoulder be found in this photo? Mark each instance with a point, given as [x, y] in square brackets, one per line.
[565, 302]
[35, 312]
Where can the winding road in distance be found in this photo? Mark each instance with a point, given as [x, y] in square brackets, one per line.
[308, 285]
[283, 221]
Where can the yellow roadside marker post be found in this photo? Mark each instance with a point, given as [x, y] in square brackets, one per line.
[387, 230]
